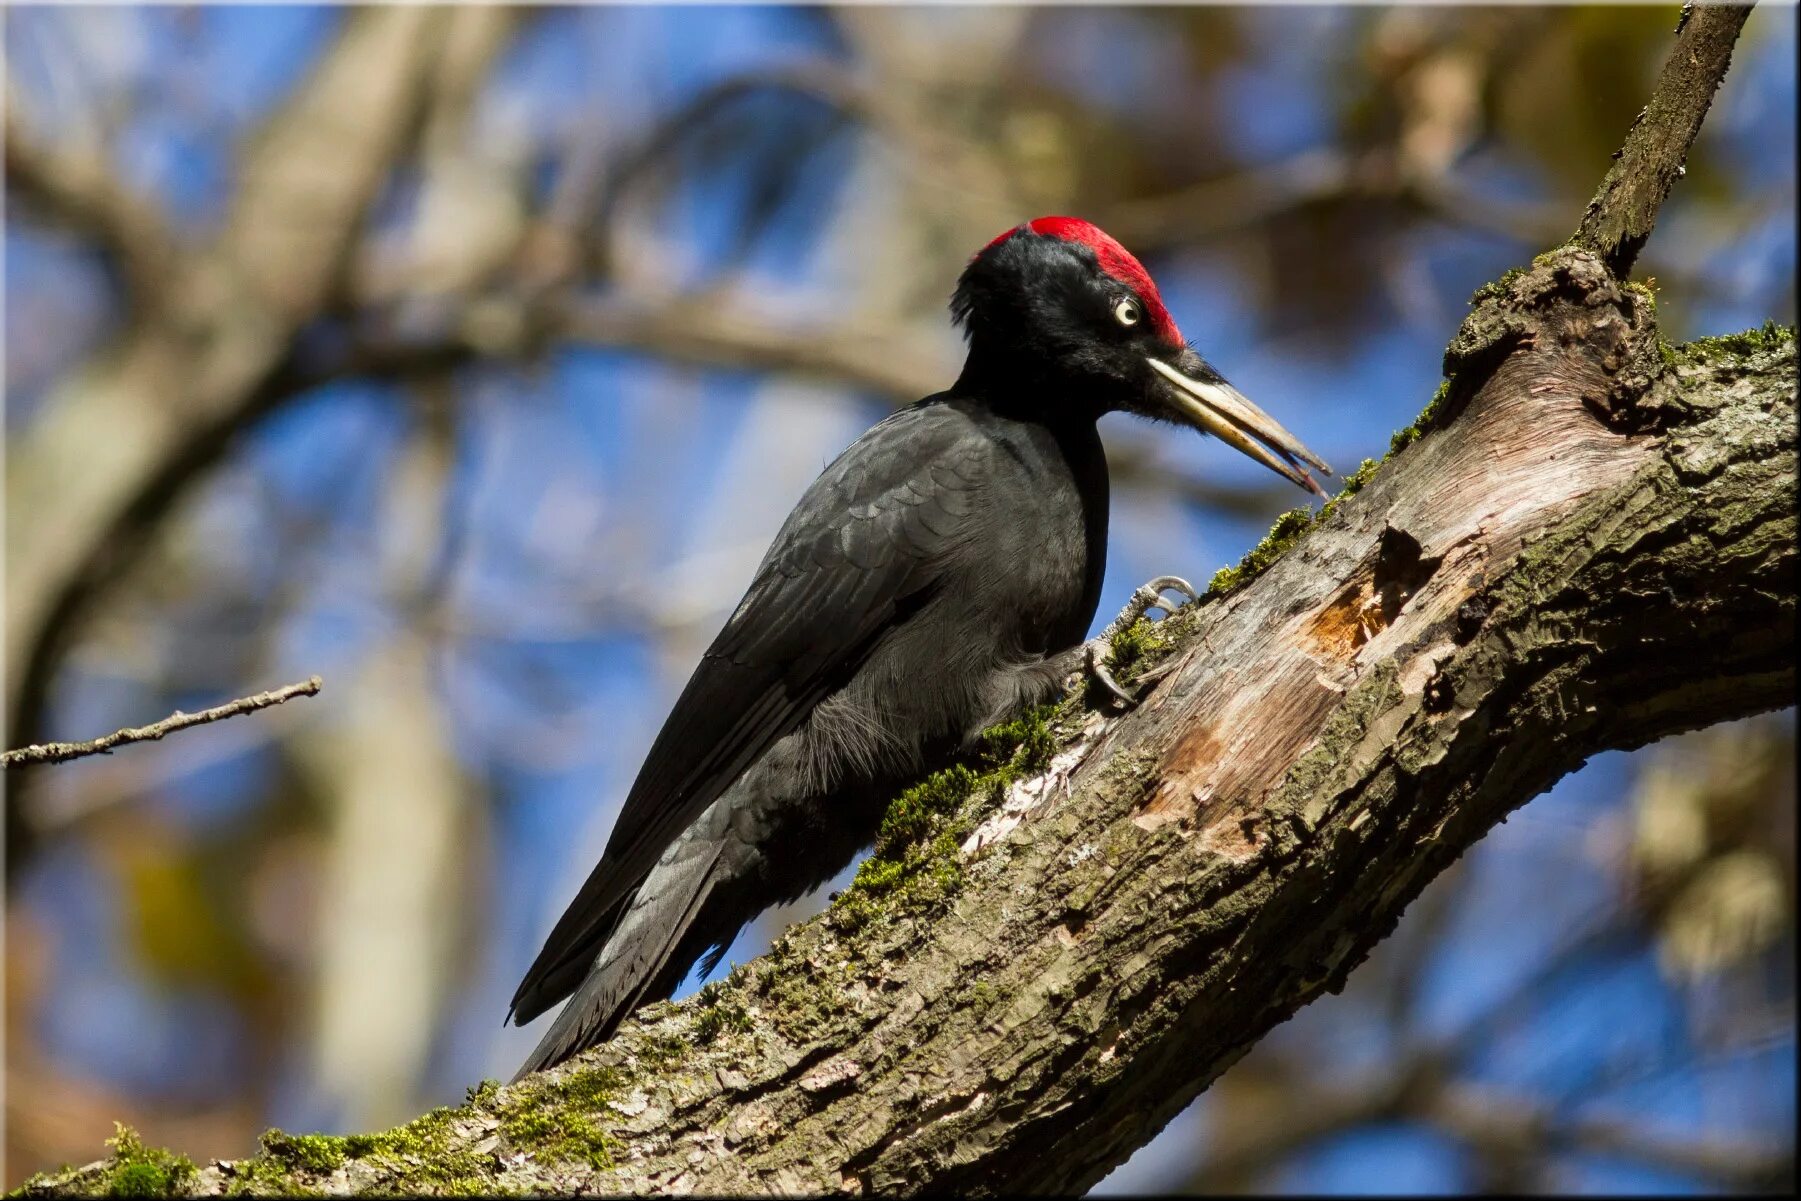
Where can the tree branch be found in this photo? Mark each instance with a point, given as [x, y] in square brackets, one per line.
[62, 752]
[895, 368]
[123, 436]
[1296, 1114]
[1624, 209]
[1509, 1125]
[81, 190]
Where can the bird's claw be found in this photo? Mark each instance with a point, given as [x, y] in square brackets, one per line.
[1152, 594]
[1148, 596]
[1097, 668]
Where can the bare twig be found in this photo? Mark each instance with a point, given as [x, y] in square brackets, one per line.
[1216, 208]
[61, 752]
[1624, 209]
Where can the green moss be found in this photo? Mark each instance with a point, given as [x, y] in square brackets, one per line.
[1403, 438]
[559, 1119]
[1497, 289]
[1024, 745]
[135, 1170]
[428, 1140]
[917, 862]
[1770, 337]
[1285, 533]
[1353, 483]
[420, 1156]
[46, 1181]
[919, 809]
[139, 1180]
[321, 1153]
[1133, 646]
[807, 989]
[659, 1052]
[722, 1009]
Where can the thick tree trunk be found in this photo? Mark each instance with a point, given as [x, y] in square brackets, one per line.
[1591, 544]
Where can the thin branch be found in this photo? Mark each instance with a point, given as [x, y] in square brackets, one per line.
[1225, 205]
[1492, 1120]
[1481, 1117]
[79, 188]
[1624, 209]
[61, 752]
[898, 368]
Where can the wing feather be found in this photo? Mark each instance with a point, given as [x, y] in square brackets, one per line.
[859, 554]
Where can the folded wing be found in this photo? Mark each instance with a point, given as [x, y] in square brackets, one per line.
[857, 557]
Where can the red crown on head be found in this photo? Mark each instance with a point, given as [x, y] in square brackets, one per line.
[1113, 258]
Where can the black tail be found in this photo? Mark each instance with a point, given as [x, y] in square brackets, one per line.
[569, 951]
[644, 952]
[757, 845]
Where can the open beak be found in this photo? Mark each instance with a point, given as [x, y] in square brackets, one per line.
[1201, 398]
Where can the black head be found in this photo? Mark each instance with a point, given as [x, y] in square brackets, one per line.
[1061, 316]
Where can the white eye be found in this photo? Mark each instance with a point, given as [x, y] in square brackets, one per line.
[1126, 312]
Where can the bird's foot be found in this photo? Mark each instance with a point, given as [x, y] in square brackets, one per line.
[1149, 596]
[1099, 652]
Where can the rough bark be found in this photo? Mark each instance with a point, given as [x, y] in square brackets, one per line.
[1620, 216]
[1589, 545]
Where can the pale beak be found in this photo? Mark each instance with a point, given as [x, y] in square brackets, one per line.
[1203, 399]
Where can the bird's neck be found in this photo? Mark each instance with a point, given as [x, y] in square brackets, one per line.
[1025, 385]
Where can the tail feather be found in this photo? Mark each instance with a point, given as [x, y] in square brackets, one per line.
[639, 962]
[578, 936]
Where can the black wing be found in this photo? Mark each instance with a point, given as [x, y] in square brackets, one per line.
[859, 554]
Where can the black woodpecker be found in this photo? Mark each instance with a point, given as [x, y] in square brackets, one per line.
[937, 578]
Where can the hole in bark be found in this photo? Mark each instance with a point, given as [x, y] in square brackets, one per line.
[1470, 616]
[1373, 599]
[1400, 572]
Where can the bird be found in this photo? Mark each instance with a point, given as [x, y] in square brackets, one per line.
[936, 579]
